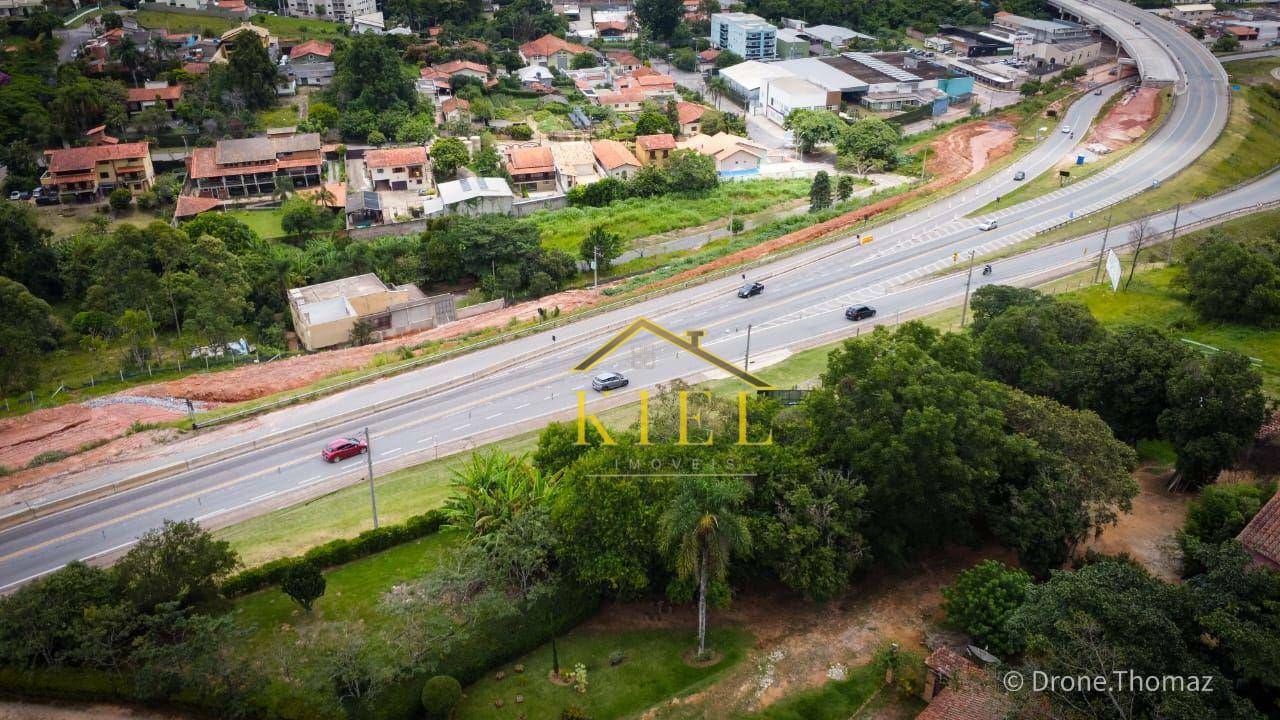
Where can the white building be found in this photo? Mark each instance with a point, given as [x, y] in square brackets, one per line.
[749, 36]
[402, 168]
[19, 8]
[471, 196]
[781, 96]
[746, 78]
[343, 11]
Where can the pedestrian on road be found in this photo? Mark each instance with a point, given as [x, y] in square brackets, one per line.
[553, 338]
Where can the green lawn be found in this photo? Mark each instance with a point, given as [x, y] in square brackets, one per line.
[835, 700]
[652, 672]
[264, 222]
[285, 115]
[642, 217]
[214, 25]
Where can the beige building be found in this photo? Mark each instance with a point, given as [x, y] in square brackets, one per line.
[615, 160]
[732, 154]
[402, 168]
[93, 172]
[575, 163]
[1195, 13]
[324, 314]
[1062, 54]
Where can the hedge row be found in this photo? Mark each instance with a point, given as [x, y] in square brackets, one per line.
[335, 552]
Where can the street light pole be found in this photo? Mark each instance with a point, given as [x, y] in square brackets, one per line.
[1173, 234]
[368, 455]
[595, 265]
[746, 359]
[964, 309]
[1103, 252]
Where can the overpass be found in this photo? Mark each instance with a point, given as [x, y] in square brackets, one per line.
[1155, 63]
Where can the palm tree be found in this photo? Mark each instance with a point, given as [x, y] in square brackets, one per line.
[130, 56]
[492, 488]
[702, 530]
[717, 87]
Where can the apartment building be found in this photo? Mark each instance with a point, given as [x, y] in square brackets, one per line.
[248, 167]
[343, 11]
[748, 36]
[89, 173]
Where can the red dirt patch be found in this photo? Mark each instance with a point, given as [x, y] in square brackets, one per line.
[67, 428]
[1128, 119]
[1148, 533]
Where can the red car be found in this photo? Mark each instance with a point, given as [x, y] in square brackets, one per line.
[343, 448]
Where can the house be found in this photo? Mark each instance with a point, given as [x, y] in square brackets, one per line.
[531, 75]
[89, 173]
[455, 109]
[433, 83]
[248, 167]
[614, 159]
[228, 39]
[471, 196]
[152, 94]
[532, 169]
[624, 61]
[371, 22]
[614, 30]
[1241, 32]
[551, 51]
[98, 136]
[1261, 537]
[689, 115]
[782, 96]
[653, 85]
[655, 149]
[623, 101]
[311, 63]
[401, 168]
[189, 206]
[466, 68]
[196, 68]
[955, 688]
[325, 314]
[733, 155]
[575, 163]
[707, 59]
[749, 36]
[1197, 13]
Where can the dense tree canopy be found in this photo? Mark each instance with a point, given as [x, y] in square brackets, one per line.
[1236, 280]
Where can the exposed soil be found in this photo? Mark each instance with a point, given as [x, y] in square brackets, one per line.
[1128, 119]
[25, 711]
[67, 428]
[1148, 533]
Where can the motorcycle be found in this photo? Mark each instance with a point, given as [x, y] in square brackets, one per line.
[986, 270]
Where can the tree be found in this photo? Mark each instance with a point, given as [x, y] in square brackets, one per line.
[179, 562]
[727, 58]
[844, 187]
[26, 255]
[370, 76]
[447, 155]
[1029, 88]
[1214, 408]
[812, 128]
[981, 601]
[217, 291]
[869, 143]
[303, 582]
[990, 301]
[1222, 511]
[29, 329]
[120, 199]
[820, 192]
[601, 246]
[42, 622]
[1073, 73]
[249, 73]
[701, 531]
[659, 18]
[584, 60]
[1226, 43]
[440, 695]
[1039, 348]
[302, 216]
[1127, 372]
[1236, 281]
[685, 59]
[652, 122]
[153, 120]
[361, 332]
[690, 172]
[491, 489]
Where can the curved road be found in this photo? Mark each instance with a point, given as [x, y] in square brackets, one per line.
[804, 298]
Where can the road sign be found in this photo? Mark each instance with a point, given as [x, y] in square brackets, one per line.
[866, 240]
[1113, 269]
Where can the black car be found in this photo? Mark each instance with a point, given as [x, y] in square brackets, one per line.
[752, 288]
[608, 381]
[860, 313]
[45, 197]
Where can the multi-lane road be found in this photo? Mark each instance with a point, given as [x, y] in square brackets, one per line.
[521, 383]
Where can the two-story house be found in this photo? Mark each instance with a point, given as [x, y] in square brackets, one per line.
[532, 169]
[655, 149]
[402, 168]
[249, 166]
[89, 173]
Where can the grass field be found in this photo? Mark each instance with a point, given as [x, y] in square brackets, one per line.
[653, 671]
[642, 217]
[264, 222]
[213, 25]
[284, 115]
[835, 700]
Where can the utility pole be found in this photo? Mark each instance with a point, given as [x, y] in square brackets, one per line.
[964, 309]
[368, 455]
[1173, 234]
[595, 265]
[1102, 254]
[746, 359]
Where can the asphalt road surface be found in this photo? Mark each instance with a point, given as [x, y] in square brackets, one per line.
[804, 299]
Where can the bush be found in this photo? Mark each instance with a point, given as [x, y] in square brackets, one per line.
[440, 696]
[981, 601]
[1222, 511]
[335, 552]
[120, 199]
[303, 582]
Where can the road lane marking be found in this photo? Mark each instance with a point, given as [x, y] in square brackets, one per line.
[493, 416]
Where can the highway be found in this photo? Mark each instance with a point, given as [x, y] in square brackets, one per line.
[804, 299]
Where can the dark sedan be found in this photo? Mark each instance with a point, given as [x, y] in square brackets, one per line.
[861, 312]
[752, 288]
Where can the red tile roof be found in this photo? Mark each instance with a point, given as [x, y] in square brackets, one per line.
[196, 68]
[967, 699]
[526, 161]
[84, 158]
[689, 112]
[456, 66]
[396, 157]
[618, 25]
[622, 57]
[141, 95]
[311, 47]
[548, 45]
[623, 97]
[431, 73]
[454, 103]
[709, 55]
[946, 661]
[661, 141]
[191, 205]
[1261, 537]
[613, 154]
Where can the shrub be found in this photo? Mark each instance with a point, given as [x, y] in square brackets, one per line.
[1222, 511]
[303, 582]
[573, 712]
[120, 199]
[981, 601]
[440, 696]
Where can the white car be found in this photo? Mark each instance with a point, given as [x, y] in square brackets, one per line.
[987, 225]
[15, 196]
[1066, 129]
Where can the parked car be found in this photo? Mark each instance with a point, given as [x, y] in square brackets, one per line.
[861, 312]
[342, 448]
[15, 196]
[988, 225]
[608, 381]
[1019, 175]
[45, 197]
[751, 288]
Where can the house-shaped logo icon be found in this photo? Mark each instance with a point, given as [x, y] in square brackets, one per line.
[693, 344]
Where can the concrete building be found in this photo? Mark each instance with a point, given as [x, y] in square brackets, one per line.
[791, 44]
[614, 159]
[575, 163]
[841, 87]
[249, 166]
[733, 155]
[833, 37]
[325, 314]
[311, 63]
[1197, 13]
[343, 11]
[746, 78]
[532, 169]
[19, 8]
[402, 168]
[781, 96]
[655, 149]
[1041, 31]
[227, 41]
[471, 196]
[1060, 54]
[966, 43]
[749, 36]
[90, 173]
